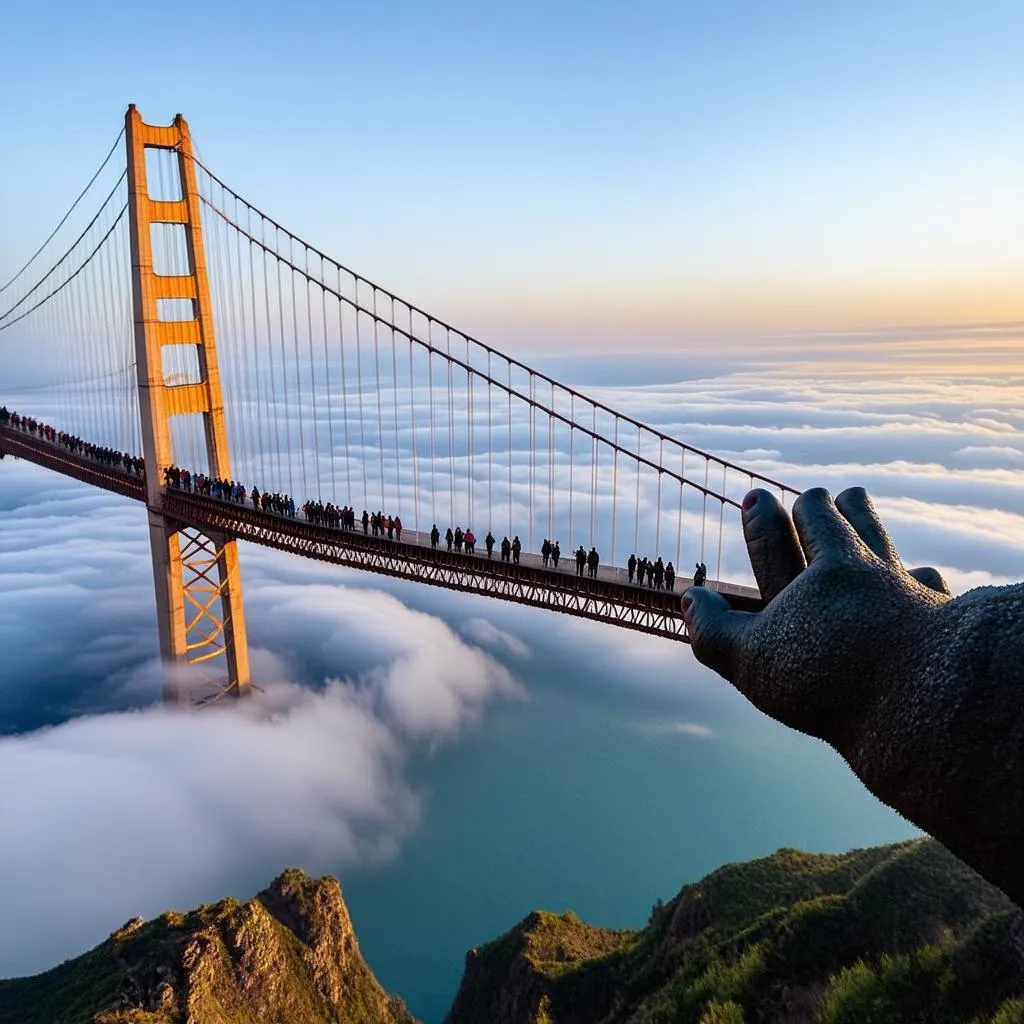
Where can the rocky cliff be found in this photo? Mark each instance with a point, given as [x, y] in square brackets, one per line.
[289, 956]
[890, 935]
[901, 934]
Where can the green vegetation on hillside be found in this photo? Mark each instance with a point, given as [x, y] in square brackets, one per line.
[889, 935]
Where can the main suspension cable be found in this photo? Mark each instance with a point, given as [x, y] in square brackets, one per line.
[71, 210]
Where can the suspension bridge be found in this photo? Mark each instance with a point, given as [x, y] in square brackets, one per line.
[169, 325]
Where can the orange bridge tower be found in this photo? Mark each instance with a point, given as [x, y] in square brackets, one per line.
[198, 586]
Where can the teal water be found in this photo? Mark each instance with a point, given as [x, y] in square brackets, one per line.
[592, 795]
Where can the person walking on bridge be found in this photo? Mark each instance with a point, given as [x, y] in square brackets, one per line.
[581, 560]
[556, 554]
[700, 574]
[506, 549]
[435, 536]
[365, 521]
[449, 538]
[469, 539]
[670, 576]
[593, 561]
[631, 567]
[545, 551]
[516, 548]
[489, 543]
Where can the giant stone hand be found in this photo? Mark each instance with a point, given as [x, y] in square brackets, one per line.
[841, 613]
[922, 693]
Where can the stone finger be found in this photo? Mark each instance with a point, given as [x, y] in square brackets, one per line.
[823, 532]
[772, 543]
[859, 512]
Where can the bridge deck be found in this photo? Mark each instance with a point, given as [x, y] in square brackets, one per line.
[608, 598]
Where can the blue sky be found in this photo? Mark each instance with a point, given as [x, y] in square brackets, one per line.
[544, 174]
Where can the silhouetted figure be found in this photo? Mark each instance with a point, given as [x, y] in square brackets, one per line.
[516, 548]
[593, 560]
[545, 551]
[670, 576]
[469, 539]
[556, 554]
[581, 560]
[435, 536]
[449, 537]
[489, 543]
[365, 521]
[458, 538]
[700, 574]
[398, 528]
[506, 549]
[631, 567]
[659, 573]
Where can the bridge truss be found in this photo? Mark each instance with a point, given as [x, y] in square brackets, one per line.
[326, 387]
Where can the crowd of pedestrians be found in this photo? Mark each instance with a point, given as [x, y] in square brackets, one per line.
[650, 573]
[108, 457]
[643, 571]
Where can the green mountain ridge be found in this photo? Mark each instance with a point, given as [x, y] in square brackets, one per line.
[888, 935]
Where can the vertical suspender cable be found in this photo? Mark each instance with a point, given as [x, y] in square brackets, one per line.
[533, 449]
[312, 378]
[273, 414]
[657, 511]
[593, 477]
[258, 470]
[350, 497]
[241, 431]
[511, 534]
[704, 511]
[285, 410]
[636, 534]
[415, 442]
[433, 457]
[469, 416]
[721, 524]
[107, 306]
[378, 389]
[551, 467]
[615, 487]
[327, 382]
[572, 466]
[451, 429]
[394, 391]
[265, 362]
[359, 392]
[298, 369]
[490, 447]
[679, 525]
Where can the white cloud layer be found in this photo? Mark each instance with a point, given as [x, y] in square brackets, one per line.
[112, 814]
[125, 810]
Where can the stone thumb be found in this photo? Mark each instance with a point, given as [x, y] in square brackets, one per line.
[718, 634]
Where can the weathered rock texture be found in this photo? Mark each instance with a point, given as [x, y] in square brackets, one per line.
[289, 956]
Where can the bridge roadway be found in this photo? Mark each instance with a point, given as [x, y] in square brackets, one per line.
[609, 598]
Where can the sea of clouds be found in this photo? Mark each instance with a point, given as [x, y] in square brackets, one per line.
[114, 804]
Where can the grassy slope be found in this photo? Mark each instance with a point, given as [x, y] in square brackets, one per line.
[925, 938]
